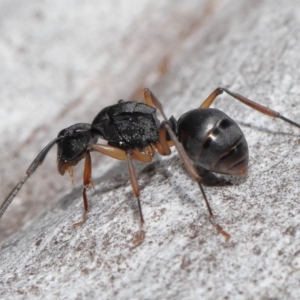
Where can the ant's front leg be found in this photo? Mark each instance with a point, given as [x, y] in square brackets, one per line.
[87, 183]
[195, 176]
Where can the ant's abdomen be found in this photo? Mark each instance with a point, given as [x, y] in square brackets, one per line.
[213, 141]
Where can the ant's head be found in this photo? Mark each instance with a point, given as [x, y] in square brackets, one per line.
[72, 145]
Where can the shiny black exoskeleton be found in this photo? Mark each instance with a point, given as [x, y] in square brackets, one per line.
[213, 141]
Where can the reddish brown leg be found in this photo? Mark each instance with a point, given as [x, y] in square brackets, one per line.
[162, 146]
[120, 154]
[150, 98]
[265, 110]
[135, 186]
[134, 183]
[87, 182]
[126, 155]
[129, 155]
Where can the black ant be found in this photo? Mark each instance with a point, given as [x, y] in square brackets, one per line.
[203, 136]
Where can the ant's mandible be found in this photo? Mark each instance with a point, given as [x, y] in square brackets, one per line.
[203, 136]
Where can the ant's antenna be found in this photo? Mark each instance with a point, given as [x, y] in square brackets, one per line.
[37, 161]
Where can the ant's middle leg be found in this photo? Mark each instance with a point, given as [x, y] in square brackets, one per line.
[136, 190]
[129, 155]
[151, 100]
[134, 184]
[195, 176]
[263, 109]
[163, 145]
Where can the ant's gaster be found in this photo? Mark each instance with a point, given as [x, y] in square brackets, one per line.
[203, 136]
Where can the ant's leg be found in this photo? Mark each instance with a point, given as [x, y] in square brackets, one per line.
[265, 110]
[128, 155]
[134, 183]
[87, 182]
[120, 154]
[150, 99]
[162, 146]
[195, 176]
[135, 186]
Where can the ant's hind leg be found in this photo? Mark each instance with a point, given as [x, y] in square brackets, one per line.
[150, 99]
[87, 182]
[263, 109]
[195, 176]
